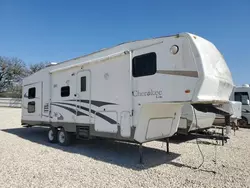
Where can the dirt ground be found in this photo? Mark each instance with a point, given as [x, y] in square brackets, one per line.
[28, 160]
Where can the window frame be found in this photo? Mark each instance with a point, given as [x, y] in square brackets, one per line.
[140, 74]
[240, 93]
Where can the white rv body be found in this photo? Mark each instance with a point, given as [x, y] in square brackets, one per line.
[193, 120]
[134, 91]
[241, 94]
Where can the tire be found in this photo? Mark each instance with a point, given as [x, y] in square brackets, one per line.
[63, 137]
[243, 122]
[52, 135]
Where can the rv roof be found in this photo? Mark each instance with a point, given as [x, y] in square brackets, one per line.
[243, 86]
[103, 49]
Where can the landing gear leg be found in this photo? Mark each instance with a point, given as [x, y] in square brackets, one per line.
[227, 122]
[223, 139]
[167, 144]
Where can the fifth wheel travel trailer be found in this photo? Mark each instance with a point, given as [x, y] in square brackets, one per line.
[134, 91]
[241, 94]
[194, 120]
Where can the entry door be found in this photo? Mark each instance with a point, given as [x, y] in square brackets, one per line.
[83, 88]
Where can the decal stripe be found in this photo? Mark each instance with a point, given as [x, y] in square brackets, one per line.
[96, 103]
[179, 73]
[71, 110]
[108, 119]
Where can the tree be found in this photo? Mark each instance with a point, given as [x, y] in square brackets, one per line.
[36, 67]
[12, 70]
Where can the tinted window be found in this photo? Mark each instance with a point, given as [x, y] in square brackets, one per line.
[32, 93]
[241, 97]
[144, 65]
[65, 91]
[237, 97]
[31, 107]
[83, 83]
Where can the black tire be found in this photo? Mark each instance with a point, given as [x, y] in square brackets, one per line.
[63, 137]
[243, 122]
[52, 135]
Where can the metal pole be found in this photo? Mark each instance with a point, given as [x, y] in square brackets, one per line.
[167, 144]
[222, 136]
[227, 123]
[234, 126]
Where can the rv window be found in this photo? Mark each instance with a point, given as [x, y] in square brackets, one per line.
[32, 93]
[83, 83]
[241, 97]
[65, 91]
[144, 65]
[31, 107]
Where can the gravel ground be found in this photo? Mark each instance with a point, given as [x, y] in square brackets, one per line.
[28, 160]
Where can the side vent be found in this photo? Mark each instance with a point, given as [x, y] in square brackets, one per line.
[82, 132]
[46, 108]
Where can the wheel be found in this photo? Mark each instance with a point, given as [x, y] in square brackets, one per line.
[243, 122]
[52, 135]
[63, 137]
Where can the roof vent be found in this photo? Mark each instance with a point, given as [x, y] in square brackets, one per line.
[245, 85]
[51, 64]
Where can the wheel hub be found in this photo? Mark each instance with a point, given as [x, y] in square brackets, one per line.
[61, 137]
[51, 135]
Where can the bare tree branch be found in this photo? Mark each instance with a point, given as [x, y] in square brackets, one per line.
[36, 67]
[12, 70]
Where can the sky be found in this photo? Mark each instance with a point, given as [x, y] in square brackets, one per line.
[56, 30]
